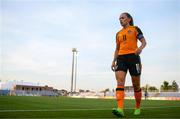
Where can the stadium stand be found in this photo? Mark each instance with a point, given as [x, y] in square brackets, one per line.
[26, 89]
[4, 92]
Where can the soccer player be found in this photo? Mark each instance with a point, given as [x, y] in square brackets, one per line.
[126, 58]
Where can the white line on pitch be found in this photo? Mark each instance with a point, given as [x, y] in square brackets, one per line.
[53, 110]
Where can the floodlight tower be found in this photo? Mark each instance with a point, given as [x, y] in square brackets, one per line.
[74, 50]
[75, 72]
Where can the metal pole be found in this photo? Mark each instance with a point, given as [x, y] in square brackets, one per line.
[75, 73]
[72, 75]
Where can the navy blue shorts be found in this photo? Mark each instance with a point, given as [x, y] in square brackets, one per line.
[129, 62]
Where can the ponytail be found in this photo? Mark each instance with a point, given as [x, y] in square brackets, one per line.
[129, 16]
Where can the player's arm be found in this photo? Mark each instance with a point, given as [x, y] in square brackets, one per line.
[142, 40]
[143, 44]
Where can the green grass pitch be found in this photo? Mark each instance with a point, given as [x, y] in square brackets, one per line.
[64, 107]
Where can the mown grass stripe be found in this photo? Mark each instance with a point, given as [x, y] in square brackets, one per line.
[56, 110]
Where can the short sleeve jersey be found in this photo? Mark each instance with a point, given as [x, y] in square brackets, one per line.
[126, 39]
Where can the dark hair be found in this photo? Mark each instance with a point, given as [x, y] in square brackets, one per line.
[129, 16]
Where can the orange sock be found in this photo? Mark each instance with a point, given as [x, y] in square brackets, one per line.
[120, 96]
[138, 95]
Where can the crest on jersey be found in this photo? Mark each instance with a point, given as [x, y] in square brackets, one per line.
[129, 31]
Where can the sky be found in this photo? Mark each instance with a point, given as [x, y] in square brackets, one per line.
[37, 37]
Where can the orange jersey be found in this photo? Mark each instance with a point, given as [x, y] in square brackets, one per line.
[126, 39]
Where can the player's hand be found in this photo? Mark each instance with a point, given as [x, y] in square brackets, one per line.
[138, 51]
[113, 66]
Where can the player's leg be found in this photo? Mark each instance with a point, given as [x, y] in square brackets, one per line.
[120, 77]
[135, 71]
[120, 74]
[137, 93]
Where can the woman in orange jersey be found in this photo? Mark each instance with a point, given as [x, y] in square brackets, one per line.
[126, 58]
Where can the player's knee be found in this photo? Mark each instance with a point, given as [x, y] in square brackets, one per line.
[120, 79]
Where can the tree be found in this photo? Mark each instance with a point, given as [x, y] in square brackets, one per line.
[152, 89]
[165, 85]
[175, 86]
[105, 91]
[145, 88]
